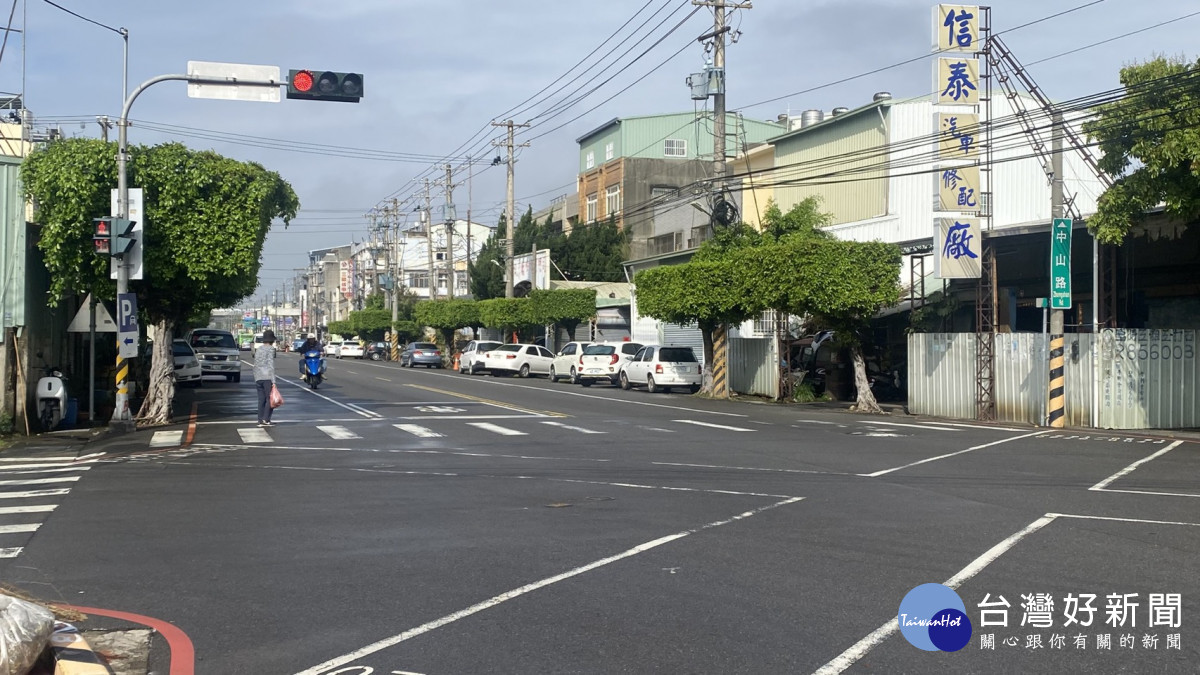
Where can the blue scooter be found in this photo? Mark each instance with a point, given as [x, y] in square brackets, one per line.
[313, 367]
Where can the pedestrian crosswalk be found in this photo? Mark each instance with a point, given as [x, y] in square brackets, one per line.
[30, 490]
[516, 426]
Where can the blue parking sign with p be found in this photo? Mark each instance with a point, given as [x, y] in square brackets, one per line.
[127, 313]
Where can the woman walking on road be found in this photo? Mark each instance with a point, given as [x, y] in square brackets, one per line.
[264, 376]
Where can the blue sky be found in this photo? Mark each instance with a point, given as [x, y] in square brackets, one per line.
[438, 72]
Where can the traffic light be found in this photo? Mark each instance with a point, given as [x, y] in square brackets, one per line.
[124, 236]
[102, 235]
[316, 85]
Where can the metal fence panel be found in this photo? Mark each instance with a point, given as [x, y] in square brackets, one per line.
[1148, 379]
[1022, 375]
[941, 374]
[753, 366]
[1079, 377]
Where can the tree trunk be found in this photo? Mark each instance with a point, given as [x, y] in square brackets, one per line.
[866, 398]
[706, 333]
[160, 392]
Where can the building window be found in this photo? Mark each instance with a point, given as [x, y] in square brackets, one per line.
[591, 208]
[608, 151]
[460, 282]
[591, 159]
[675, 147]
[443, 279]
[612, 200]
[418, 280]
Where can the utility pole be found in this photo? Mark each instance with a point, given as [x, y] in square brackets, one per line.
[508, 211]
[470, 171]
[1056, 408]
[450, 231]
[720, 386]
[428, 220]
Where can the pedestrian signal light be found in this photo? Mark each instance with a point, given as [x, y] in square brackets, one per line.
[317, 85]
[102, 235]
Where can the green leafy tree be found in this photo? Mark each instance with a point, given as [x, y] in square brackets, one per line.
[565, 308]
[1150, 142]
[487, 270]
[595, 252]
[448, 316]
[506, 314]
[709, 293]
[370, 324]
[341, 328]
[206, 219]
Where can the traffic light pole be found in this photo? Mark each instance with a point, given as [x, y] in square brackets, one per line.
[122, 416]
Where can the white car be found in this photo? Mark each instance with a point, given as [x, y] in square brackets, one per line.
[350, 348]
[566, 362]
[333, 347]
[471, 359]
[661, 368]
[603, 361]
[187, 366]
[518, 359]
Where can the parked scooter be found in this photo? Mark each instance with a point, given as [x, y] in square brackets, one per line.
[313, 367]
[51, 398]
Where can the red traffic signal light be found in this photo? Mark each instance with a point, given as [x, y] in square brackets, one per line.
[102, 235]
[325, 86]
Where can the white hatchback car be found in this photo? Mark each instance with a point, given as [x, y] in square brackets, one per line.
[471, 359]
[518, 359]
[566, 362]
[187, 366]
[603, 361]
[333, 347]
[660, 368]
[350, 349]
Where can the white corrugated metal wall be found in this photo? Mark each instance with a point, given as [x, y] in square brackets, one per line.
[754, 366]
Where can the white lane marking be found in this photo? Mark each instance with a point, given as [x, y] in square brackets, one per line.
[859, 649]
[711, 425]
[418, 430]
[11, 552]
[1123, 520]
[83, 457]
[1151, 492]
[58, 466]
[34, 493]
[832, 424]
[40, 481]
[37, 459]
[1129, 469]
[656, 487]
[497, 429]
[162, 439]
[912, 426]
[254, 435]
[10, 529]
[385, 379]
[61, 469]
[952, 454]
[39, 508]
[471, 417]
[338, 433]
[878, 434]
[348, 406]
[752, 468]
[978, 426]
[402, 672]
[529, 588]
[568, 426]
[665, 431]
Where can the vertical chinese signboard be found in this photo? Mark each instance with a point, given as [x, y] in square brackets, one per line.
[959, 189]
[956, 248]
[1060, 264]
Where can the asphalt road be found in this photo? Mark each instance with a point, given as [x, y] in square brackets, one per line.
[421, 521]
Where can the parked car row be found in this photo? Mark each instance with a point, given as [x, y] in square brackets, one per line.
[625, 364]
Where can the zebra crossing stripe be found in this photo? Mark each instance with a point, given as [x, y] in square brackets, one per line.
[164, 439]
[11, 552]
[37, 459]
[34, 493]
[714, 426]
[59, 469]
[252, 435]
[497, 429]
[338, 433]
[39, 508]
[568, 426]
[26, 527]
[40, 481]
[418, 430]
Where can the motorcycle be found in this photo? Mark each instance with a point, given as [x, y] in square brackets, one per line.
[51, 398]
[312, 367]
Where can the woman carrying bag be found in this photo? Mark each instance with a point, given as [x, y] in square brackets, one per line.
[264, 376]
